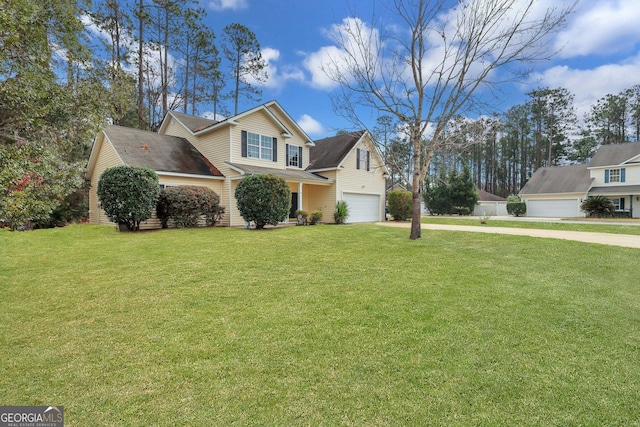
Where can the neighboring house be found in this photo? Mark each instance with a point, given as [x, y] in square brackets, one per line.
[614, 172]
[490, 205]
[190, 150]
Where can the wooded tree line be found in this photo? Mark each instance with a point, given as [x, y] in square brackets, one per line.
[163, 52]
[502, 151]
[68, 68]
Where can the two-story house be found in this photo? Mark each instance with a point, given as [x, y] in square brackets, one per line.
[614, 172]
[189, 150]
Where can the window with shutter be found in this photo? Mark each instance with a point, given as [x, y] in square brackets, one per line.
[294, 156]
[258, 146]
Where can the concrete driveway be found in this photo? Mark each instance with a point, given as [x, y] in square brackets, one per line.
[623, 240]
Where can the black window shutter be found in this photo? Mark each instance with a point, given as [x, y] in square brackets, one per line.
[622, 175]
[357, 158]
[300, 157]
[275, 150]
[606, 176]
[286, 152]
[244, 143]
[368, 159]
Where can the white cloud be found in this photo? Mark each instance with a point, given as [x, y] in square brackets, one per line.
[600, 28]
[276, 77]
[315, 63]
[220, 5]
[590, 85]
[354, 43]
[310, 125]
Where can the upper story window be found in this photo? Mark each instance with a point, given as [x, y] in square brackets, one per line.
[363, 159]
[614, 175]
[294, 156]
[258, 146]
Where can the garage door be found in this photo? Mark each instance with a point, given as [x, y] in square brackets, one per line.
[362, 207]
[561, 208]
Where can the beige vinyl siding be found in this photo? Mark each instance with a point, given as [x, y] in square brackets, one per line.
[235, 219]
[106, 158]
[297, 139]
[320, 197]
[175, 128]
[361, 181]
[260, 123]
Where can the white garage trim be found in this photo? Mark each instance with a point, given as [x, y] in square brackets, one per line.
[553, 208]
[363, 207]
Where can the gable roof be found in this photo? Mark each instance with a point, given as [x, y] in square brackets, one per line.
[193, 123]
[201, 125]
[162, 153]
[330, 152]
[559, 179]
[615, 154]
[485, 196]
[282, 173]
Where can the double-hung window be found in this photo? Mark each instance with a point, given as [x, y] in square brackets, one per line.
[258, 146]
[363, 158]
[294, 156]
[614, 175]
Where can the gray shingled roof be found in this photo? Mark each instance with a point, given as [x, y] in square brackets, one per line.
[329, 152]
[618, 189]
[193, 123]
[161, 153]
[485, 196]
[615, 154]
[283, 173]
[559, 179]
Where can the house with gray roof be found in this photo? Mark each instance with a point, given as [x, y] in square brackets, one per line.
[614, 172]
[190, 150]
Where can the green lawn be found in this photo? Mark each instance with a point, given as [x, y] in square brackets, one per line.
[633, 226]
[326, 325]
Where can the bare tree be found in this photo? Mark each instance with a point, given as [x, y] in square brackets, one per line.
[430, 70]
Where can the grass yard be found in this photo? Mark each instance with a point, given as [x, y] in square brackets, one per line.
[633, 226]
[326, 325]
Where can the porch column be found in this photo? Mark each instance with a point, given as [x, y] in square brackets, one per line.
[300, 195]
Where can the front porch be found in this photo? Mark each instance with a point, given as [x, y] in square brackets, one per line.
[626, 199]
[309, 191]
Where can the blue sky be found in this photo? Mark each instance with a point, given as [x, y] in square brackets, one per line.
[600, 52]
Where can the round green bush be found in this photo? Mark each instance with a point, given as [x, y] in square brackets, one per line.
[128, 194]
[263, 199]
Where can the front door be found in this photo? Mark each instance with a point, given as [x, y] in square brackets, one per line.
[294, 205]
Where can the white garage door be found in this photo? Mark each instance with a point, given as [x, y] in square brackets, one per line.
[362, 207]
[562, 208]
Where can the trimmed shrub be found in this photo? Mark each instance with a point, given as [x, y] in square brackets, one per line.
[186, 205]
[515, 206]
[341, 213]
[316, 217]
[461, 210]
[400, 204]
[263, 199]
[599, 206]
[128, 194]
